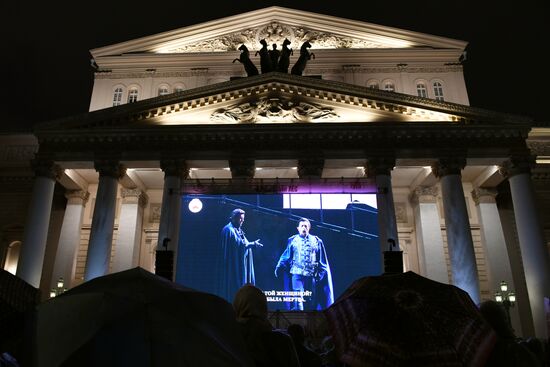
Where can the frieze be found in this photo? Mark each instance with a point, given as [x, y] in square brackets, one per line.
[17, 152]
[314, 70]
[266, 135]
[276, 32]
[539, 147]
[274, 110]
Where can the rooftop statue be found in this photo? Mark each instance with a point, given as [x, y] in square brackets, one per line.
[266, 64]
[284, 59]
[305, 55]
[244, 58]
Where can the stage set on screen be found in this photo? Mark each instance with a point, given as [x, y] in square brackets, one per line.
[302, 250]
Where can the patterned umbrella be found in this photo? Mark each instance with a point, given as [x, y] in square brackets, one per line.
[408, 320]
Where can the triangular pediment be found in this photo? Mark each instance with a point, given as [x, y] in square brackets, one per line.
[275, 24]
[278, 98]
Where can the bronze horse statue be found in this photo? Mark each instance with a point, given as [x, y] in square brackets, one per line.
[284, 60]
[266, 64]
[305, 55]
[244, 58]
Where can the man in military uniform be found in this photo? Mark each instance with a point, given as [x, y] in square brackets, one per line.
[305, 260]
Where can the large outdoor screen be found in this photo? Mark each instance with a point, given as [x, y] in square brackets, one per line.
[344, 233]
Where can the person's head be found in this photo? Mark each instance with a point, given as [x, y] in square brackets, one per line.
[495, 315]
[303, 227]
[296, 332]
[237, 217]
[250, 302]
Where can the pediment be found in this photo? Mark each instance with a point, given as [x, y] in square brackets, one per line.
[275, 24]
[277, 98]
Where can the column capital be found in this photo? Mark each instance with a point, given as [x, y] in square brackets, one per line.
[517, 165]
[424, 194]
[77, 196]
[110, 168]
[242, 167]
[311, 167]
[174, 167]
[484, 195]
[46, 168]
[380, 166]
[132, 196]
[448, 166]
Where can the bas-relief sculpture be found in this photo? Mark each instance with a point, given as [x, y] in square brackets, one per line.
[276, 32]
[274, 110]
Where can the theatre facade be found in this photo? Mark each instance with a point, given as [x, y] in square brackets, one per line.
[462, 190]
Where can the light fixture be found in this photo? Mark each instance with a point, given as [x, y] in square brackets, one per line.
[507, 299]
[59, 289]
[503, 286]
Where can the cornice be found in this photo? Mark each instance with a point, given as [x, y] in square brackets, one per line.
[270, 141]
[313, 70]
[321, 90]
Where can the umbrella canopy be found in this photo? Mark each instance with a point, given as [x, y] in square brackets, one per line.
[17, 298]
[135, 318]
[408, 320]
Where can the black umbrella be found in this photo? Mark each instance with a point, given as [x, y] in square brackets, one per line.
[17, 299]
[136, 318]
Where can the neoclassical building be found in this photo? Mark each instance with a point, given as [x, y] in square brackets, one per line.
[463, 190]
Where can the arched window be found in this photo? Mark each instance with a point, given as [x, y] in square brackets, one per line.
[438, 91]
[133, 95]
[421, 90]
[178, 88]
[389, 86]
[117, 96]
[373, 84]
[163, 90]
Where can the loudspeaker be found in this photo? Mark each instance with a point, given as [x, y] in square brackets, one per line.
[164, 264]
[393, 262]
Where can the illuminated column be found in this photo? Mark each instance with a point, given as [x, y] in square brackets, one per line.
[428, 234]
[380, 169]
[69, 238]
[103, 221]
[494, 244]
[531, 240]
[459, 235]
[31, 259]
[129, 229]
[174, 171]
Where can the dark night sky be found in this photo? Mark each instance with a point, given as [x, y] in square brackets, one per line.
[46, 59]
